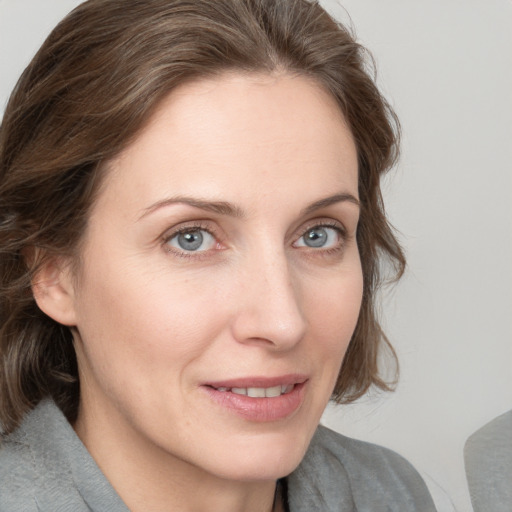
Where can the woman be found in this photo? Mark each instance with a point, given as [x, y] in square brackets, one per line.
[191, 230]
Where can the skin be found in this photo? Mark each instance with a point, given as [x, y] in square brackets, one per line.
[153, 322]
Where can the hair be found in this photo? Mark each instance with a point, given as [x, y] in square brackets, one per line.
[87, 93]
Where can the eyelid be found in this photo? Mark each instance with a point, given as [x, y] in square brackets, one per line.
[187, 226]
[322, 223]
[183, 227]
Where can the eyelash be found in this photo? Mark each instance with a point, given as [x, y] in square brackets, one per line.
[196, 226]
[199, 226]
[340, 229]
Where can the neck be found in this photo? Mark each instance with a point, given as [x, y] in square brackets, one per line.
[148, 482]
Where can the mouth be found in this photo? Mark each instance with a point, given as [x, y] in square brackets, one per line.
[253, 392]
[259, 399]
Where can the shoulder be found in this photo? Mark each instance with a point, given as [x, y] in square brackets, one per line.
[362, 457]
[35, 474]
[16, 476]
[492, 439]
[341, 474]
[488, 461]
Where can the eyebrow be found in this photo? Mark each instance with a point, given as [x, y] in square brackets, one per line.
[328, 201]
[219, 207]
[232, 210]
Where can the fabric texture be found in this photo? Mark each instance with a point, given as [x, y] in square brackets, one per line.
[44, 467]
[488, 460]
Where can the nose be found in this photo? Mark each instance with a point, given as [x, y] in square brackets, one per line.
[269, 304]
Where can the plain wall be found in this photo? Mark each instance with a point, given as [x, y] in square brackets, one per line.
[446, 66]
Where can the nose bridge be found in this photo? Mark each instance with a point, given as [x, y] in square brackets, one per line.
[271, 309]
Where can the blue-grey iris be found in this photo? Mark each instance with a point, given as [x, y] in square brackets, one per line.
[316, 237]
[190, 241]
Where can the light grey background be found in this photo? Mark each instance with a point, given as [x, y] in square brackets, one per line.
[446, 66]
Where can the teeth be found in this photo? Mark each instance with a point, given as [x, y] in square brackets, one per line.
[256, 392]
[275, 391]
[260, 392]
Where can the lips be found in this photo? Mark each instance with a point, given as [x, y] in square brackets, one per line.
[259, 399]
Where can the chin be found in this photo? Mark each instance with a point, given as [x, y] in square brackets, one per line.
[260, 457]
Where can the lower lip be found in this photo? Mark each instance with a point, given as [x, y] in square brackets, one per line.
[259, 409]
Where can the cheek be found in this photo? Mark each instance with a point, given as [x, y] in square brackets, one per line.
[144, 326]
[333, 310]
[146, 311]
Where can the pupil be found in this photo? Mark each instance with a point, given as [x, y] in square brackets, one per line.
[190, 241]
[316, 237]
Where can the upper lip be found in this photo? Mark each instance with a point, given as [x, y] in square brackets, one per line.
[258, 381]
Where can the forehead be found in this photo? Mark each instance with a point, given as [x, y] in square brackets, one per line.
[236, 134]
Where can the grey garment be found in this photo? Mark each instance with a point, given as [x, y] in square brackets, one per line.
[488, 460]
[44, 467]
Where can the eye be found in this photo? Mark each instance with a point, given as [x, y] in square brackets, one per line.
[192, 240]
[320, 237]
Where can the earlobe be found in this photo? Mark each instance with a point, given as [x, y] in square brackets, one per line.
[53, 291]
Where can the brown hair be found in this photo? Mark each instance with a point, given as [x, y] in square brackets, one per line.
[91, 88]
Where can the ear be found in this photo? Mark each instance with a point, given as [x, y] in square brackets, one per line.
[53, 291]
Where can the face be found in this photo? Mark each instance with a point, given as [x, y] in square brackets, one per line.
[221, 279]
